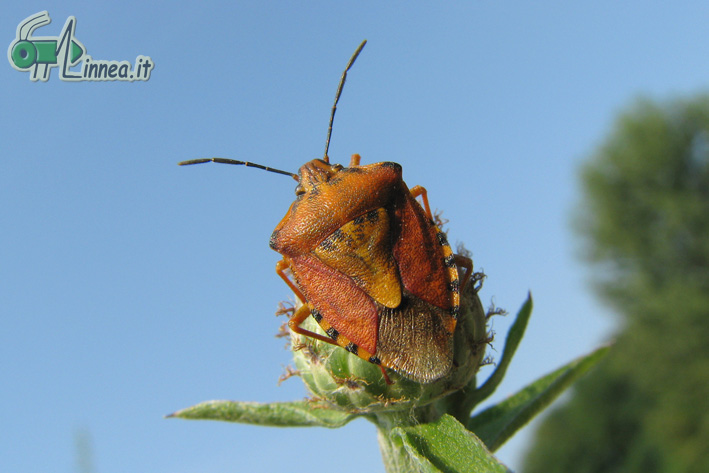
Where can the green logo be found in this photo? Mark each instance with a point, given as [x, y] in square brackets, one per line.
[40, 54]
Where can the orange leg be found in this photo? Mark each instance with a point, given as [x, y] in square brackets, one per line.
[421, 191]
[467, 264]
[385, 375]
[281, 266]
[303, 311]
[300, 315]
[354, 160]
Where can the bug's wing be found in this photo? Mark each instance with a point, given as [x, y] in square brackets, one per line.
[361, 249]
[416, 339]
[346, 307]
[424, 257]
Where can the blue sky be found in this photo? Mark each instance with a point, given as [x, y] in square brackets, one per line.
[130, 287]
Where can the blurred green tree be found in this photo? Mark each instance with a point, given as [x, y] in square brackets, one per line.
[645, 227]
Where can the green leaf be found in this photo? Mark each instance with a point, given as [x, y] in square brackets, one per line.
[514, 336]
[276, 414]
[445, 446]
[498, 423]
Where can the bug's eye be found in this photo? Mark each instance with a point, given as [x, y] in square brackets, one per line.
[299, 190]
[337, 167]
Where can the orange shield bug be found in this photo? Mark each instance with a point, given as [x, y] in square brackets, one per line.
[368, 263]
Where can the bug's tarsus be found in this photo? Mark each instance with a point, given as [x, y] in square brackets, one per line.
[385, 376]
[236, 162]
[337, 97]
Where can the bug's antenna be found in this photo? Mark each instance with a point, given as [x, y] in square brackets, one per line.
[337, 97]
[233, 161]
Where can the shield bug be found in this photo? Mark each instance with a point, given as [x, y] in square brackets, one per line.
[368, 262]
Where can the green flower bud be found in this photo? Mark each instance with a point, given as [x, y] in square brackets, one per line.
[349, 383]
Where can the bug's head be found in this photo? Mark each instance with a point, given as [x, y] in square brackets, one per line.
[310, 175]
[314, 173]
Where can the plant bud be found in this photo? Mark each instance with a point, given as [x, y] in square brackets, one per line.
[352, 384]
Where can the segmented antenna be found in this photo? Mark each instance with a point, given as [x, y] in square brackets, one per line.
[234, 161]
[329, 130]
[326, 158]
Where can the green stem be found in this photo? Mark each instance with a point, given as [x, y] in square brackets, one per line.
[395, 457]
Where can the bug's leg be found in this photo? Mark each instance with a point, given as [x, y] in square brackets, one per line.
[421, 191]
[467, 264]
[300, 315]
[354, 160]
[303, 312]
[386, 376]
[281, 266]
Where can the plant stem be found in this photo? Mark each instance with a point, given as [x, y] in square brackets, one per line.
[394, 455]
